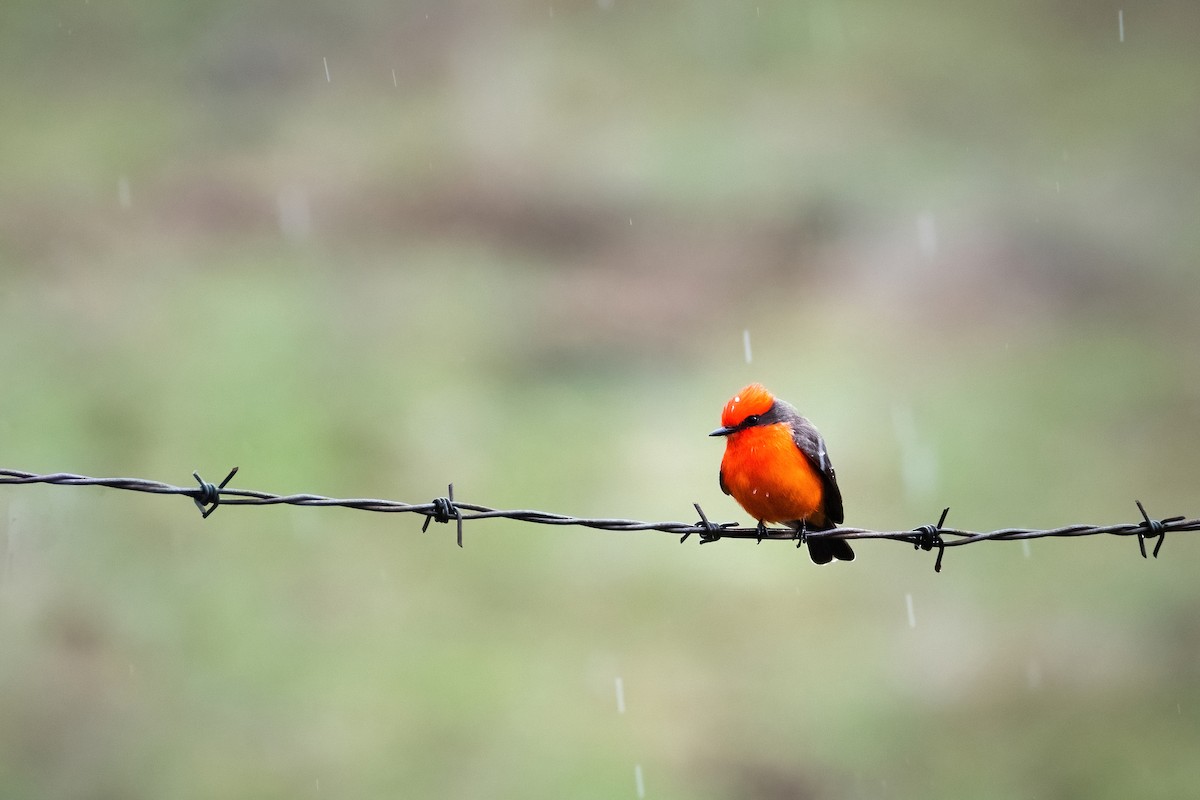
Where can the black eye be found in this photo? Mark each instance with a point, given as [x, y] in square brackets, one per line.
[751, 420]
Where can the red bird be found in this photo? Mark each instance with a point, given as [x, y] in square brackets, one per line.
[776, 467]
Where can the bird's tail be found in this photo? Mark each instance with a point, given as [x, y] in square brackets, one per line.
[822, 551]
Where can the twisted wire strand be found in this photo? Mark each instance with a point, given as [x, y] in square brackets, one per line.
[928, 537]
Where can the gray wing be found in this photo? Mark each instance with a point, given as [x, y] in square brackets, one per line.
[812, 444]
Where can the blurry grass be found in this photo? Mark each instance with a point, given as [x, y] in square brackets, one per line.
[300, 646]
[528, 271]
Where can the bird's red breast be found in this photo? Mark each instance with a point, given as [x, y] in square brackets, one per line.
[776, 467]
[771, 478]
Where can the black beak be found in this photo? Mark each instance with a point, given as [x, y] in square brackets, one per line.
[723, 431]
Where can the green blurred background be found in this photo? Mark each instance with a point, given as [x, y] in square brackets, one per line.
[368, 248]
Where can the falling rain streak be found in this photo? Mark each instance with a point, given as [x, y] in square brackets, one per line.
[1033, 674]
[746, 345]
[918, 460]
[620, 687]
[1121, 25]
[124, 197]
[638, 780]
[927, 235]
[912, 617]
[295, 217]
[326, 62]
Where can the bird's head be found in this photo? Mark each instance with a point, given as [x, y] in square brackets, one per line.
[745, 409]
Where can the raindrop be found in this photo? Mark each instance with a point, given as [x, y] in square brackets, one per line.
[638, 780]
[918, 461]
[1121, 24]
[124, 198]
[326, 61]
[394, 83]
[908, 603]
[620, 686]
[295, 218]
[746, 345]
[1033, 673]
[927, 236]
[1025, 548]
[8, 555]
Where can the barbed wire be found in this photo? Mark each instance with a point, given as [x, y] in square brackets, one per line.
[207, 497]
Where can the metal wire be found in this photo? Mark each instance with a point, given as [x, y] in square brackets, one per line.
[208, 497]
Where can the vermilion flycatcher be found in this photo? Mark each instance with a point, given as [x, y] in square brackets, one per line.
[776, 467]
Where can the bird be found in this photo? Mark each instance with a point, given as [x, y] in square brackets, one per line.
[777, 468]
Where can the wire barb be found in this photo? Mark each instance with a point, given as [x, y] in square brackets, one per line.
[710, 531]
[1151, 528]
[445, 510]
[931, 537]
[208, 497]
